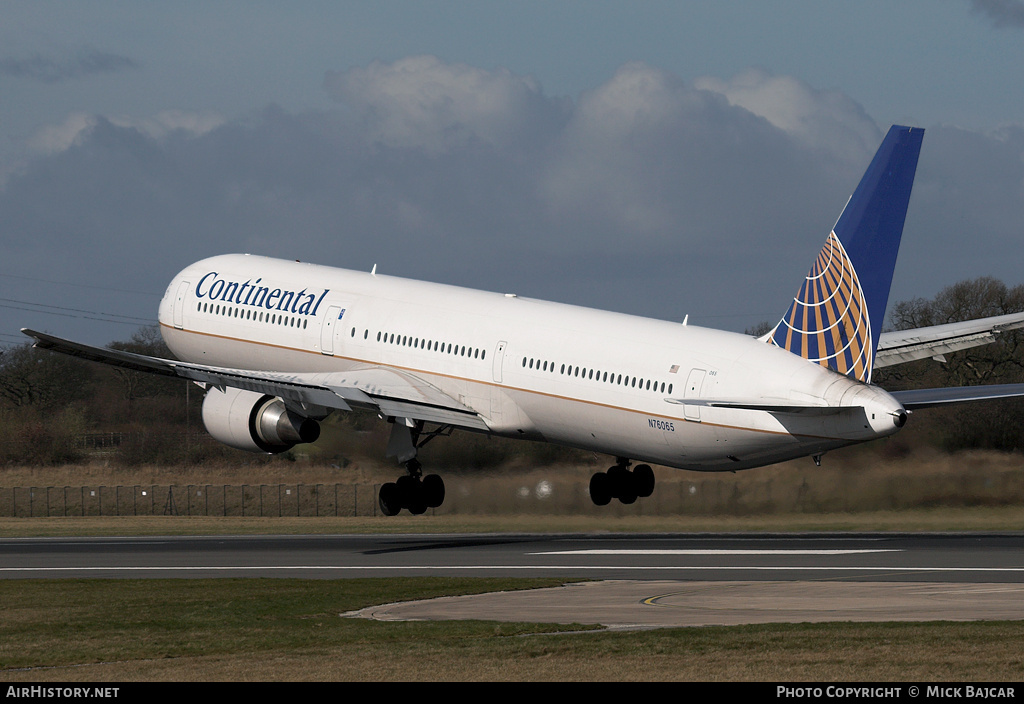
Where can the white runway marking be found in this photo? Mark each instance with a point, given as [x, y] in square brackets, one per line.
[711, 552]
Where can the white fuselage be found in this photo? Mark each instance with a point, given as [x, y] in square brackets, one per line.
[532, 369]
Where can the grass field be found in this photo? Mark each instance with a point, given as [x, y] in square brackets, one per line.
[294, 630]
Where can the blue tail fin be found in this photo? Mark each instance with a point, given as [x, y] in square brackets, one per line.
[837, 316]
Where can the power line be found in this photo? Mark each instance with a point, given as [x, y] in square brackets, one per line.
[68, 283]
[73, 312]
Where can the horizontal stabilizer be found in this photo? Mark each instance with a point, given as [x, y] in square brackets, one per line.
[761, 406]
[901, 346]
[926, 398]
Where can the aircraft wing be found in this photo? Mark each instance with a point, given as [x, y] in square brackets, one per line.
[387, 391]
[902, 346]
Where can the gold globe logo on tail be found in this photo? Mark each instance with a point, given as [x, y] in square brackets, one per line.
[828, 322]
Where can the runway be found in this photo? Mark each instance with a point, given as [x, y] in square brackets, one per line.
[640, 580]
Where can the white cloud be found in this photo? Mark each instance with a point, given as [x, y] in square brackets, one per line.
[649, 155]
[56, 138]
[169, 121]
[603, 164]
[423, 102]
[820, 119]
[53, 139]
[646, 194]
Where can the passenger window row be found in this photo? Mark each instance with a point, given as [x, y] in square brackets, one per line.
[632, 382]
[249, 314]
[449, 348]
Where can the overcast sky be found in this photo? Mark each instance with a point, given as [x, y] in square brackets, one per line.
[657, 158]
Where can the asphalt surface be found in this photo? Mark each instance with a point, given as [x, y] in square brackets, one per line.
[640, 580]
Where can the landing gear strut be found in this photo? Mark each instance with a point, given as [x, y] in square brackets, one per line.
[622, 483]
[413, 491]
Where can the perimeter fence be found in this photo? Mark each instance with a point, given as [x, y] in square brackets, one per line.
[255, 500]
[706, 495]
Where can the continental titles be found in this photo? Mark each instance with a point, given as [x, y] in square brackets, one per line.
[251, 293]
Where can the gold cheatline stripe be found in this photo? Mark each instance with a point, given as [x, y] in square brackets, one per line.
[490, 383]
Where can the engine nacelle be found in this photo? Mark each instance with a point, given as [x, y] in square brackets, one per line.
[255, 422]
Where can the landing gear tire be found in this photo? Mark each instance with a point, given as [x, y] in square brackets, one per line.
[622, 484]
[643, 478]
[600, 489]
[433, 490]
[411, 490]
[390, 499]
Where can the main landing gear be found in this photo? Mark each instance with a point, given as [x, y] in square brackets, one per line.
[622, 483]
[413, 491]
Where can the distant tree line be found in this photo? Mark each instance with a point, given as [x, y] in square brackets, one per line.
[997, 425]
[56, 409]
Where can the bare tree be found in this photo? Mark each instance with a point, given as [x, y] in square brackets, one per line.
[36, 378]
[996, 425]
[135, 385]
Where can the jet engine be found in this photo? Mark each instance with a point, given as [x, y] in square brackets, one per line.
[255, 422]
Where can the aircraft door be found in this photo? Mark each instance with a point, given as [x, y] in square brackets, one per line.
[694, 382]
[179, 304]
[327, 330]
[499, 360]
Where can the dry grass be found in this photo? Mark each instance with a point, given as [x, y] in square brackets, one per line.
[923, 520]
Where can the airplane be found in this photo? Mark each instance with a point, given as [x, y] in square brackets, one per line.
[279, 345]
